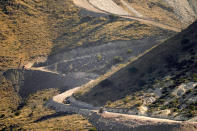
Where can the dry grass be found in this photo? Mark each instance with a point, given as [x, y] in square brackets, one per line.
[34, 109]
[41, 28]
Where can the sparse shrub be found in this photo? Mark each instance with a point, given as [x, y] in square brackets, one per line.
[173, 103]
[126, 100]
[106, 82]
[194, 77]
[78, 94]
[133, 70]
[108, 103]
[113, 17]
[188, 91]
[133, 98]
[2, 115]
[92, 129]
[161, 101]
[129, 51]
[163, 107]
[118, 59]
[138, 104]
[99, 57]
[17, 113]
[45, 99]
[175, 109]
[21, 105]
[80, 43]
[86, 19]
[165, 90]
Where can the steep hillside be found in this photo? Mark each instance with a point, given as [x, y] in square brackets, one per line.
[31, 30]
[69, 46]
[162, 83]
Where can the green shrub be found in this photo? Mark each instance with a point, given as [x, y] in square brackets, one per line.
[133, 98]
[78, 94]
[99, 57]
[92, 129]
[129, 51]
[118, 59]
[126, 100]
[113, 17]
[138, 104]
[194, 77]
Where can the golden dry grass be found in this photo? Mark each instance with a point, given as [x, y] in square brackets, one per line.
[34, 109]
[41, 28]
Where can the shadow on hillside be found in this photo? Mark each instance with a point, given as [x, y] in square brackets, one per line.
[166, 59]
[55, 115]
[27, 82]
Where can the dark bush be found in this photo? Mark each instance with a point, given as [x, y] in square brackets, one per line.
[185, 41]
[141, 83]
[172, 60]
[85, 19]
[2, 115]
[17, 113]
[188, 46]
[133, 70]
[118, 59]
[113, 17]
[151, 70]
[105, 83]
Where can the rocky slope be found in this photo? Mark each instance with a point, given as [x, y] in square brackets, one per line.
[161, 83]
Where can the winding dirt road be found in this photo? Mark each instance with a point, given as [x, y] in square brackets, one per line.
[110, 7]
[109, 120]
[116, 121]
